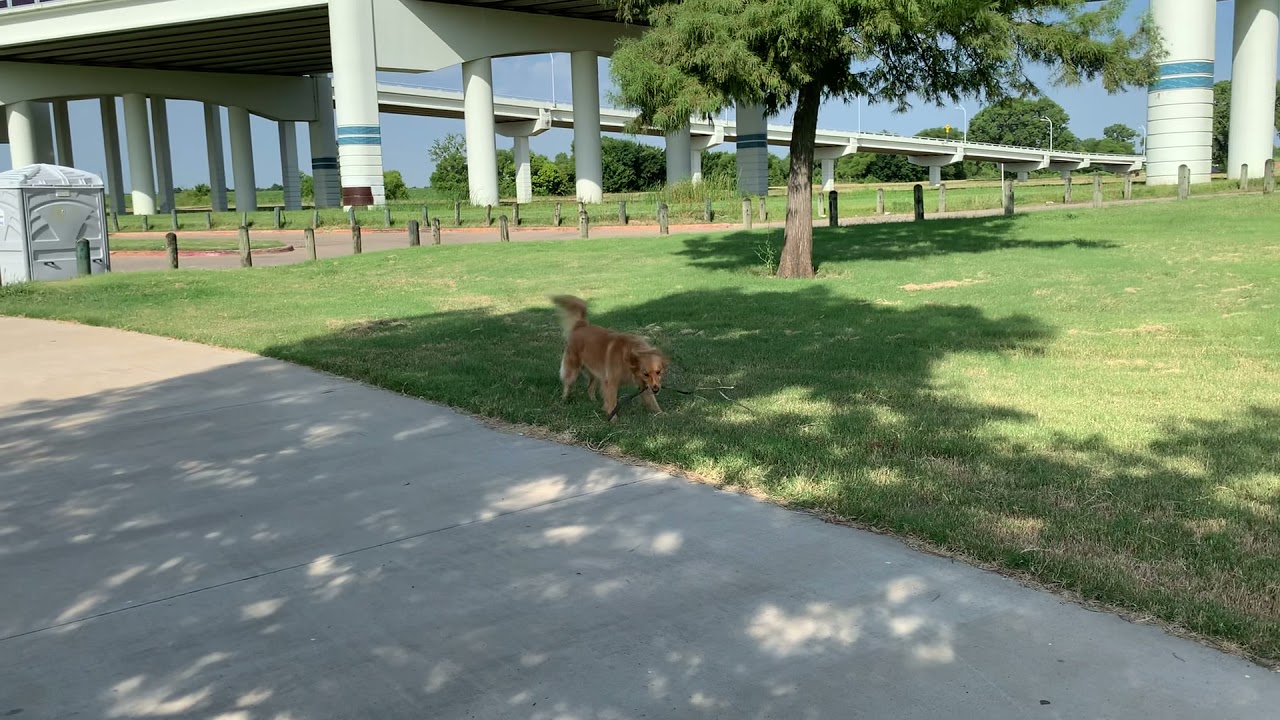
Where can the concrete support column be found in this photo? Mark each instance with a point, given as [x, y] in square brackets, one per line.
[1180, 102]
[289, 176]
[588, 164]
[217, 165]
[695, 166]
[44, 133]
[524, 169]
[355, 85]
[1023, 176]
[828, 174]
[324, 148]
[137, 131]
[679, 146]
[62, 130]
[242, 159]
[1253, 86]
[164, 158]
[935, 176]
[111, 147]
[20, 118]
[753, 150]
[482, 143]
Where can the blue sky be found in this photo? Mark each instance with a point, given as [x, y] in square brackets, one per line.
[406, 138]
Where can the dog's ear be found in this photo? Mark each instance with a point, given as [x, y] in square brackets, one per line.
[633, 360]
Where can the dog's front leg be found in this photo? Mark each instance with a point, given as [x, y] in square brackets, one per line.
[610, 394]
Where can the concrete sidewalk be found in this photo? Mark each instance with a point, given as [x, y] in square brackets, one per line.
[194, 533]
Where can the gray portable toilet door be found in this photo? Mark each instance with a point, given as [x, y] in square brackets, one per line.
[56, 218]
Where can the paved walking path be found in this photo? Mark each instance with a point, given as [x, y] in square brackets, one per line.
[188, 532]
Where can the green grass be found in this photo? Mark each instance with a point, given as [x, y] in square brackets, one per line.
[1089, 398]
[189, 243]
[684, 206]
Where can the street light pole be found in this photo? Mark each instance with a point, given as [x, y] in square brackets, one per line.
[966, 122]
[1050, 132]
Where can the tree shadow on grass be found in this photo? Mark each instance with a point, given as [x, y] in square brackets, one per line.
[875, 241]
[838, 408]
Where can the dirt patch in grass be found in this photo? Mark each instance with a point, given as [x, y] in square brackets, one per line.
[940, 285]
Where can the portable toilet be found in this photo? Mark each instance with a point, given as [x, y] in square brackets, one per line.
[44, 210]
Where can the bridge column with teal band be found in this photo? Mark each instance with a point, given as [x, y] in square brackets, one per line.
[753, 150]
[1180, 101]
[323, 135]
[1251, 138]
[355, 93]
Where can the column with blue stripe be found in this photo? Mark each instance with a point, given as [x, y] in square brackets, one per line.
[1180, 101]
[355, 85]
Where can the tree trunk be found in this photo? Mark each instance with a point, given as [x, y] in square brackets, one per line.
[797, 251]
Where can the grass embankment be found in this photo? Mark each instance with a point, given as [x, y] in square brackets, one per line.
[685, 204]
[1091, 398]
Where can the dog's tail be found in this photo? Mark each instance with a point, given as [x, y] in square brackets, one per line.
[573, 312]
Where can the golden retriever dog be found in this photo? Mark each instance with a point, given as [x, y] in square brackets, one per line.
[611, 359]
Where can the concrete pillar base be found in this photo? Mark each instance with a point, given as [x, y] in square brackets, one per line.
[111, 148]
[242, 159]
[62, 130]
[482, 148]
[290, 180]
[164, 158]
[1253, 86]
[753, 150]
[524, 169]
[355, 84]
[137, 130]
[588, 165]
[217, 165]
[22, 127]
[679, 147]
[828, 174]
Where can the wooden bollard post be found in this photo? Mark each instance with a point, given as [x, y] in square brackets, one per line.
[208, 220]
[833, 209]
[488, 215]
[746, 213]
[171, 249]
[662, 219]
[351, 217]
[1184, 182]
[315, 218]
[246, 252]
[426, 219]
[880, 201]
[357, 243]
[173, 220]
[279, 219]
[1097, 191]
[386, 217]
[583, 223]
[84, 266]
[309, 241]
[504, 234]
[622, 212]
[764, 210]
[707, 213]
[1066, 189]
[1128, 186]
[557, 218]
[822, 206]
[942, 197]
[457, 213]
[1244, 176]
[515, 214]
[1006, 193]
[244, 219]
[917, 197]
[435, 231]
[414, 239]
[1269, 177]
[146, 223]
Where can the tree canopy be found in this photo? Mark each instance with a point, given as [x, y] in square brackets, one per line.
[702, 56]
[1017, 121]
